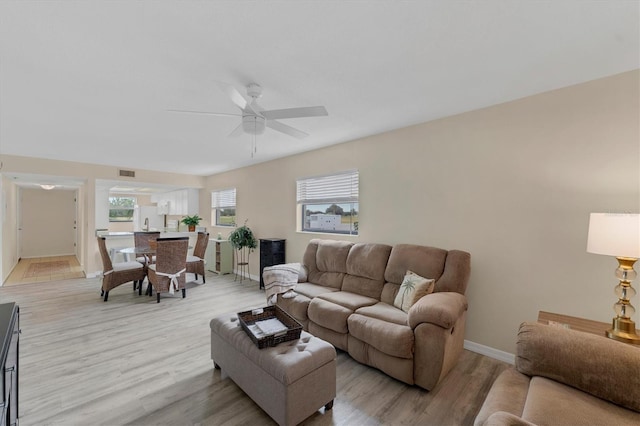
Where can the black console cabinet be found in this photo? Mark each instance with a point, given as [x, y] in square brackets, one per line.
[271, 253]
[9, 339]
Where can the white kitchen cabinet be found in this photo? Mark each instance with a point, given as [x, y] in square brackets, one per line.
[179, 202]
[192, 202]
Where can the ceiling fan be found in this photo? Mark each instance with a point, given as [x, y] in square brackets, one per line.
[255, 118]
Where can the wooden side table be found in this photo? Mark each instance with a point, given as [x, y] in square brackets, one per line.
[574, 323]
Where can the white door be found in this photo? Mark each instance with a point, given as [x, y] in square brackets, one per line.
[47, 222]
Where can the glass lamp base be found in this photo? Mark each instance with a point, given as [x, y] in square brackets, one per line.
[623, 330]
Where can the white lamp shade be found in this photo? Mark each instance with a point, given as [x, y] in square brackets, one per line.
[614, 234]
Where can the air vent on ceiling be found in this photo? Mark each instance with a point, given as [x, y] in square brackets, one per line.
[127, 173]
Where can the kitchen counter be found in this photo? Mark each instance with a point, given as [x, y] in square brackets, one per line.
[107, 234]
[167, 234]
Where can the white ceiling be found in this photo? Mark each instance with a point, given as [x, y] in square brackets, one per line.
[92, 81]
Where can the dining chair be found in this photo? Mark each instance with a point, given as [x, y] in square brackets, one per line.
[195, 262]
[145, 239]
[118, 273]
[169, 271]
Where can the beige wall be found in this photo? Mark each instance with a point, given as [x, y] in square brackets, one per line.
[47, 222]
[512, 184]
[9, 199]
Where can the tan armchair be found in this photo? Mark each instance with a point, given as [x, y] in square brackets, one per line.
[115, 274]
[168, 273]
[566, 377]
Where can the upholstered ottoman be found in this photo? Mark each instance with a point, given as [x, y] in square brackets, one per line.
[290, 381]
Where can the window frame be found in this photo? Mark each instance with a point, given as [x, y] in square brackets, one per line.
[132, 208]
[223, 199]
[340, 189]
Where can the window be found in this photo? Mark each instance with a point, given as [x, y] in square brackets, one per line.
[223, 207]
[329, 203]
[121, 209]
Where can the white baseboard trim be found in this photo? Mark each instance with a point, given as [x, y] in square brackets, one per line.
[48, 255]
[490, 352]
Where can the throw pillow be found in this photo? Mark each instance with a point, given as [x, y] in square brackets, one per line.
[413, 287]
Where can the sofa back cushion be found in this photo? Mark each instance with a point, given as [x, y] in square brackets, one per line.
[605, 368]
[366, 264]
[450, 269]
[326, 262]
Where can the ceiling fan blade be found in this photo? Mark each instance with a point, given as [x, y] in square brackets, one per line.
[236, 97]
[237, 131]
[224, 114]
[233, 94]
[276, 125]
[276, 114]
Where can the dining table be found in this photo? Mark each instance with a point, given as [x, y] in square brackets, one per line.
[141, 251]
[147, 253]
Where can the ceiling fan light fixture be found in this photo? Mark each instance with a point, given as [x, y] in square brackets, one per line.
[253, 124]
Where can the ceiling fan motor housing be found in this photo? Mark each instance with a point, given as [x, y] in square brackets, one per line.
[254, 91]
[253, 124]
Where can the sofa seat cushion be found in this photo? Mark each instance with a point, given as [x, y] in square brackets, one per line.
[348, 300]
[331, 310]
[548, 402]
[295, 306]
[329, 315]
[312, 290]
[389, 338]
[384, 312]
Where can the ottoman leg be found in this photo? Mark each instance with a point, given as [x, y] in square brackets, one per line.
[329, 405]
[216, 366]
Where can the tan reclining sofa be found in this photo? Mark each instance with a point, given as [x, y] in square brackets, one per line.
[348, 298]
[565, 377]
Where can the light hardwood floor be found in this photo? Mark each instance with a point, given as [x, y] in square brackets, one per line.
[133, 361]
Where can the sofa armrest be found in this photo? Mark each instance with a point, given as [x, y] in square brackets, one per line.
[507, 394]
[502, 418]
[442, 309]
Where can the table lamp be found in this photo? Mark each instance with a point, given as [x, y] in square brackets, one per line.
[618, 234]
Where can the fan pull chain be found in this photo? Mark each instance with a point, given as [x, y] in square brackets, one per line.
[253, 144]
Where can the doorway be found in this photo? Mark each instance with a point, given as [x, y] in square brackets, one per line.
[47, 223]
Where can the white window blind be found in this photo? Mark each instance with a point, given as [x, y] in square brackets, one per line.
[334, 188]
[223, 199]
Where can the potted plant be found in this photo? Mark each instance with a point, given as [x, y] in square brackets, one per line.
[243, 240]
[191, 221]
[243, 237]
